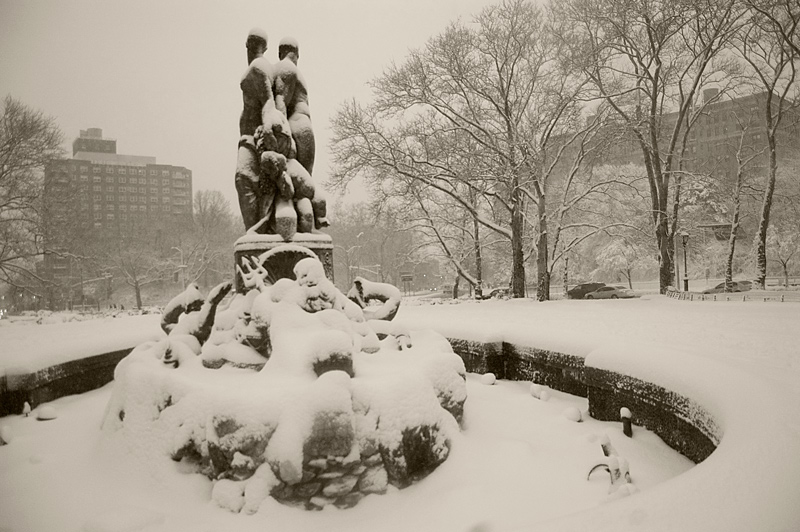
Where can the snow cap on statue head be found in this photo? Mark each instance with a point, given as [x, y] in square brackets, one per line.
[288, 44]
[256, 37]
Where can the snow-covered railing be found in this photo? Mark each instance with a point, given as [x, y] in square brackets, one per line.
[41, 386]
[728, 296]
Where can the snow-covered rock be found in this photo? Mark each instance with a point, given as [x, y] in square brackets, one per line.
[46, 413]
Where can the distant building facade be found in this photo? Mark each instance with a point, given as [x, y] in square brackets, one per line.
[99, 189]
[714, 138]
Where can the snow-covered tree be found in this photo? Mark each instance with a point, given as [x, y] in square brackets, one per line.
[28, 141]
[767, 43]
[646, 59]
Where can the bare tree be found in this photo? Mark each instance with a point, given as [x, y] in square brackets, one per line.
[28, 140]
[744, 153]
[478, 80]
[647, 59]
[768, 44]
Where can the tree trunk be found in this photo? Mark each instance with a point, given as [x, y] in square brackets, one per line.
[734, 228]
[517, 255]
[763, 224]
[566, 275]
[455, 286]
[138, 290]
[542, 271]
[665, 261]
[478, 259]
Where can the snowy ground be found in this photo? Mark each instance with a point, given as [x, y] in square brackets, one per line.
[519, 461]
[519, 464]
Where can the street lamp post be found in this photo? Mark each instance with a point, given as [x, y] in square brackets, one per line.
[685, 238]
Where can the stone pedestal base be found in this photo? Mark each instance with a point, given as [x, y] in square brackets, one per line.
[278, 257]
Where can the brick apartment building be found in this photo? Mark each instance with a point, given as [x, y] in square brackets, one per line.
[715, 136]
[100, 190]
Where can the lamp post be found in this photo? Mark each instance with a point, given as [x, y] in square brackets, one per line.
[685, 238]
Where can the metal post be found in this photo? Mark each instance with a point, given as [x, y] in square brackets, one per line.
[685, 238]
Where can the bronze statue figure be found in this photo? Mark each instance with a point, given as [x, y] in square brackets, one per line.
[276, 145]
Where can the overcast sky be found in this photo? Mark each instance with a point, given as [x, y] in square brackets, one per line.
[162, 77]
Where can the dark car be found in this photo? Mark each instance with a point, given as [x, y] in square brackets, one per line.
[579, 291]
[738, 286]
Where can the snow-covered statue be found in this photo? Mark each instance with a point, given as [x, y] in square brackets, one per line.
[292, 391]
[276, 145]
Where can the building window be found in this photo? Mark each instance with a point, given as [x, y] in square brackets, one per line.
[165, 190]
[154, 181]
[143, 208]
[122, 180]
[123, 216]
[110, 216]
[141, 171]
[97, 179]
[142, 190]
[164, 200]
[109, 179]
[84, 168]
[153, 199]
[98, 216]
[98, 224]
[142, 181]
[96, 169]
[165, 173]
[109, 197]
[85, 178]
[123, 198]
[122, 171]
[165, 208]
[111, 189]
[165, 182]
[153, 190]
[97, 197]
[153, 172]
[96, 207]
[109, 207]
[153, 208]
[97, 188]
[109, 170]
[123, 207]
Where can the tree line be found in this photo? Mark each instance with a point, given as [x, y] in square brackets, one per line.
[540, 133]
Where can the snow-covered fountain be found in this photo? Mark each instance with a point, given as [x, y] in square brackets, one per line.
[291, 391]
[289, 388]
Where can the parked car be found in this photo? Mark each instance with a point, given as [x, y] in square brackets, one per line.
[738, 286]
[610, 292]
[582, 289]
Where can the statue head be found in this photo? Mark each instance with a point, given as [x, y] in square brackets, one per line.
[288, 47]
[256, 44]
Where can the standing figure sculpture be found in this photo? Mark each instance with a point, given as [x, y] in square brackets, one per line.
[275, 158]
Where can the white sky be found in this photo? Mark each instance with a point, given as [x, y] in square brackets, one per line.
[162, 77]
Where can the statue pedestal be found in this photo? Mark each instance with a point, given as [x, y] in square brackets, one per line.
[278, 256]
